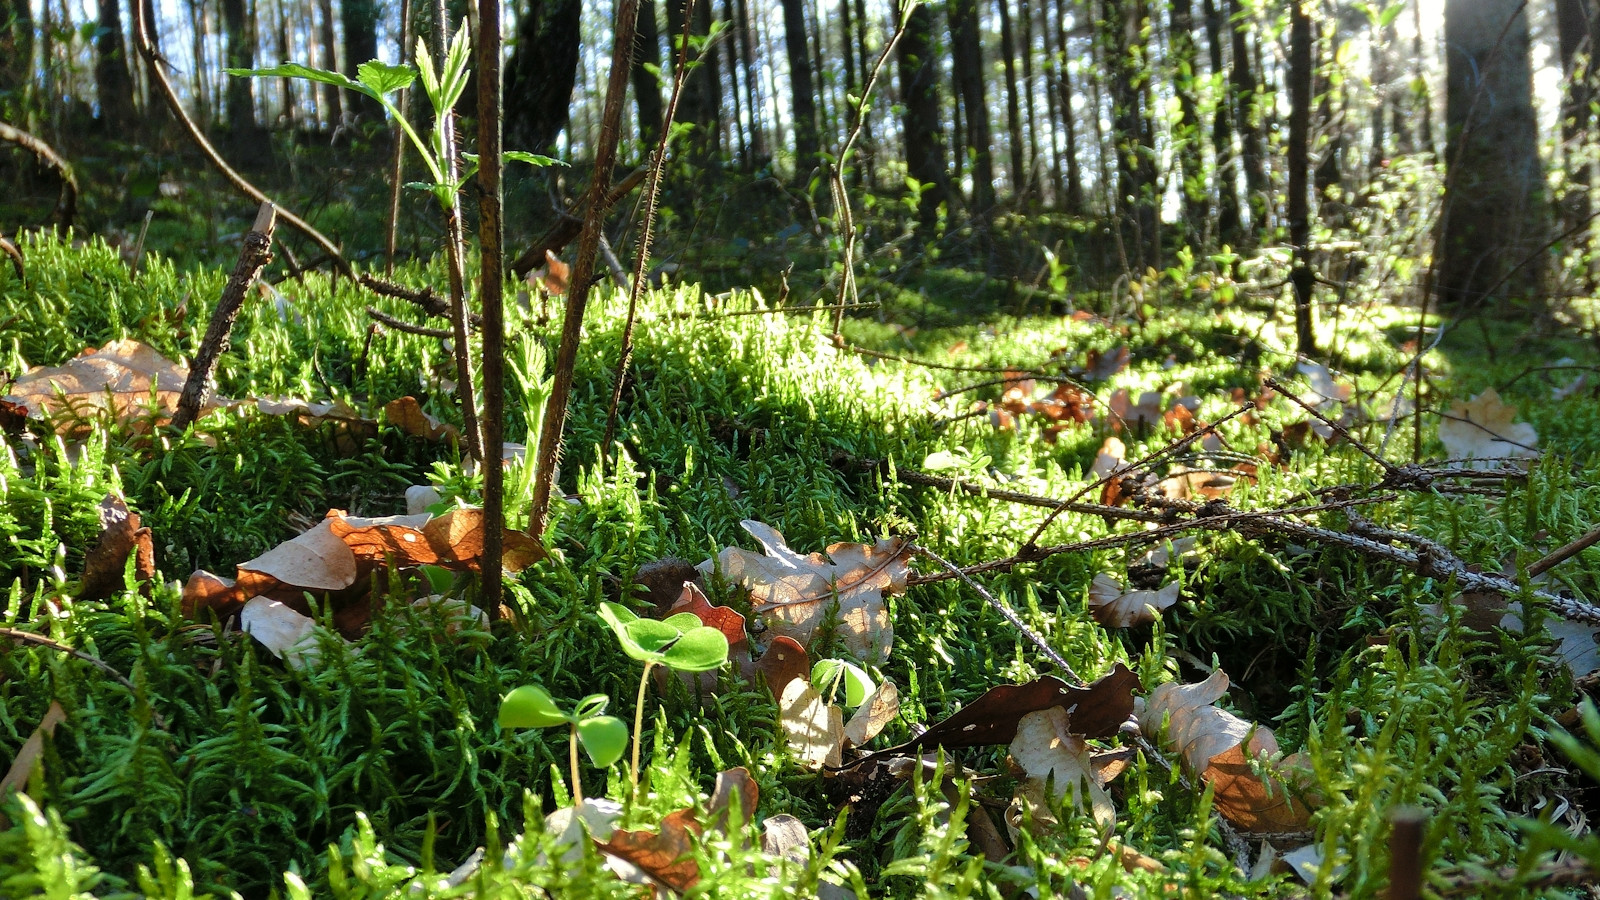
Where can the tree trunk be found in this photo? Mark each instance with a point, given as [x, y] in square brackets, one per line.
[730, 51]
[1008, 54]
[967, 60]
[1133, 133]
[1069, 120]
[332, 102]
[113, 84]
[1301, 276]
[16, 59]
[759, 153]
[1025, 19]
[360, 21]
[698, 105]
[1493, 221]
[1576, 35]
[1230, 227]
[807, 144]
[866, 148]
[1422, 97]
[647, 83]
[919, 93]
[1247, 117]
[244, 132]
[1186, 138]
[540, 75]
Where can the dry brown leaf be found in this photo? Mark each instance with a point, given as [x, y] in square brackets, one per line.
[28, 757]
[879, 710]
[783, 662]
[1113, 607]
[315, 560]
[1125, 413]
[1053, 757]
[1102, 365]
[120, 537]
[795, 592]
[814, 729]
[1112, 457]
[725, 619]
[734, 788]
[117, 378]
[1218, 746]
[553, 276]
[407, 415]
[666, 855]
[205, 591]
[1483, 428]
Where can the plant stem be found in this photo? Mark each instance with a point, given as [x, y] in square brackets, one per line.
[638, 725]
[445, 135]
[491, 295]
[572, 760]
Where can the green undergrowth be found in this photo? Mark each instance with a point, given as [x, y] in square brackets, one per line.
[374, 774]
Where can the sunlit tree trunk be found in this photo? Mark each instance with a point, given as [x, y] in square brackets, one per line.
[1300, 277]
[807, 145]
[1008, 56]
[1025, 20]
[1576, 31]
[1230, 226]
[967, 60]
[1133, 131]
[332, 103]
[730, 46]
[1074, 171]
[1187, 140]
[1493, 219]
[243, 130]
[919, 93]
[1247, 102]
[759, 153]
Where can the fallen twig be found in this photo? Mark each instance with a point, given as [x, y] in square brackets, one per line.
[253, 257]
[567, 229]
[1562, 554]
[379, 315]
[39, 639]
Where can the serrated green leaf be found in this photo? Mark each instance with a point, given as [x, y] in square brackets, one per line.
[384, 78]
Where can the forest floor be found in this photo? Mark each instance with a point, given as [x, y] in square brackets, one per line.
[1274, 636]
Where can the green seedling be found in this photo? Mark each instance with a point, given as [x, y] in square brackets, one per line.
[681, 643]
[828, 675]
[603, 737]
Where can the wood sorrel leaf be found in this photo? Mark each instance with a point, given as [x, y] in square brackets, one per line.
[530, 706]
[604, 738]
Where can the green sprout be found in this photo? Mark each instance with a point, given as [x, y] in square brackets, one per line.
[681, 643]
[603, 737]
[829, 674]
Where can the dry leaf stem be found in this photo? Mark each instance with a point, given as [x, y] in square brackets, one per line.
[605, 156]
[253, 257]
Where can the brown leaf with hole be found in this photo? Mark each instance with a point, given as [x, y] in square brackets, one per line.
[120, 537]
[1097, 710]
[796, 593]
[1114, 607]
[1218, 747]
[667, 855]
[783, 662]
[734, 788]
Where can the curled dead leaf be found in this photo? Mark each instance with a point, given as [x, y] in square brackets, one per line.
[1113, 607]
[1057, 763]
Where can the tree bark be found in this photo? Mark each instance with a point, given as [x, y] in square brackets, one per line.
[1230, 226]
[16, 59]
[1187, 139]
[1493, 223]
[807, 144]
[540, 75]
[759, 153]
[1069, 120]
[919, 93]
[1301, 276]
[360, 21]
[1576, 33]
[967, 60]
[332, 102]
[1247, 119]
[113, 83]
[1008, 55]
[1025, 20]
[244, 132]
[647, 83]
[1133, 133]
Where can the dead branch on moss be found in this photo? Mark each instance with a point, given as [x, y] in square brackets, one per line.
[29, 637]
[67, 203]
[15, 255]
[383, 318]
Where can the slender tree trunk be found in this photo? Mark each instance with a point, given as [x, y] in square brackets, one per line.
[286, 86]
[866, 147]
[1381, 49]
[754, 101]
[1493, 221]
[113, 83]
[1301, 276]
[332, 103]
[360, 21]
[1053, 63]
[827, 110]
[1008, 52]
[967, 60]
[848, 57]
[1576, 40]
[1133, 131]
[245, 133]
[647, 83]
[1025, 19]
[1247, 117]
[919, 92]
[1076, 204]
[1422, 97]
[1187, 139]
[1230, 226]
[807, 144]
[730, 47]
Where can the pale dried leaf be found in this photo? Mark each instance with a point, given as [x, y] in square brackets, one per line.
[814, 729]
[1114, 607]
[1055, 759]
[27, 758]
[1112, 457]
[316, 560]
[879, 710]
[796, 593]
[117, 378]
[1483, 428]
[289, 635]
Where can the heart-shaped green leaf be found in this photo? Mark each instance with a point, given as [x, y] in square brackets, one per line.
[700, 649]
[858, 686]
[603, 738]
[530, 706]
[680, 642]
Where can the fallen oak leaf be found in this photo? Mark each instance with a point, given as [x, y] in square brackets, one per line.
[1113, 607]
[666, 855]
[1483, 428]
[796, 592]
[783, 661]
[286, 633]
[118, 378]
[1057, 763]
[723, 618]
[314, 560]
[121, 536]
[1217, 746]
[870, 718]
[406, 414]
[813, 728]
